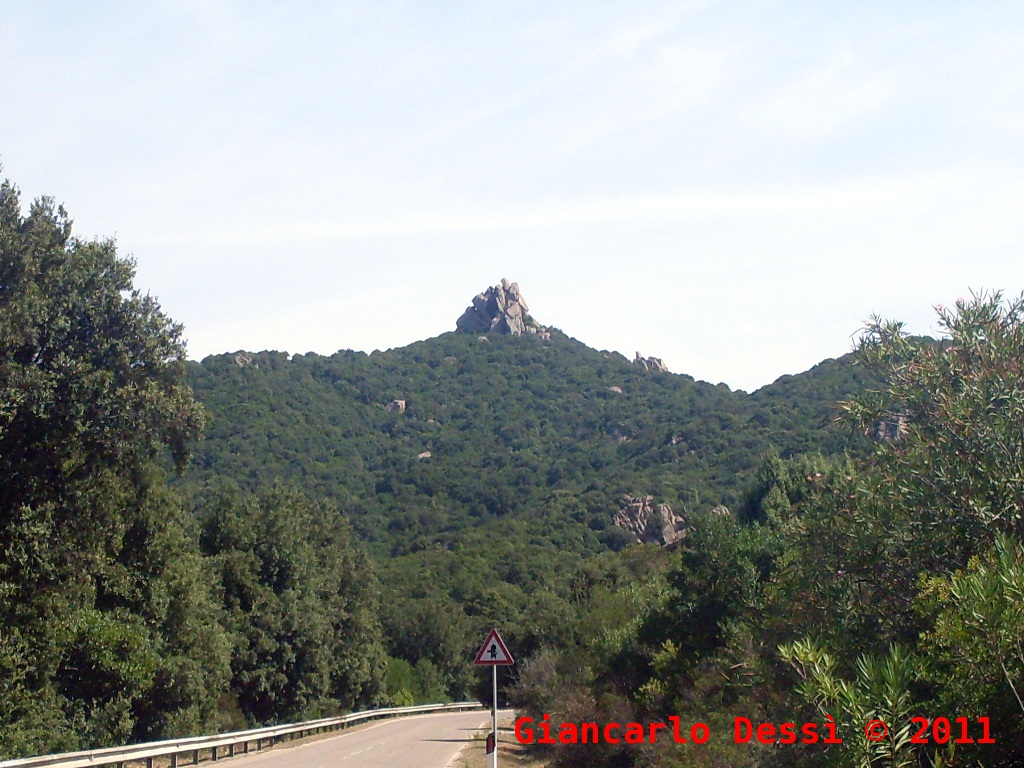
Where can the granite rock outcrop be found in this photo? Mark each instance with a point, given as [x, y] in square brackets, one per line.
[649, 363]
[500, 309]
[651, 523]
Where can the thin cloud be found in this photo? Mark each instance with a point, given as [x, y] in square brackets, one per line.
[849, 200]
[758, 168]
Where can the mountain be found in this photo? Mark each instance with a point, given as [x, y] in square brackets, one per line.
[483, 469]
[419, 442]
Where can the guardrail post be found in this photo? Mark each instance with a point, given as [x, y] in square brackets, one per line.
[174, 760]
[214, 755]
[195, 757]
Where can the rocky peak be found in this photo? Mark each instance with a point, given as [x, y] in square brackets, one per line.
[500, 309]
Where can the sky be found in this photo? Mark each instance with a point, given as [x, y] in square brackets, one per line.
[732, 187]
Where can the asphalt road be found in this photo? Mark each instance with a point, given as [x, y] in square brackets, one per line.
[422, 741]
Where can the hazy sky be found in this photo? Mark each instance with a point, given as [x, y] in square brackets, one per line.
[733, 187]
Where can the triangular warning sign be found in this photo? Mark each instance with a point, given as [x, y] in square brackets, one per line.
[493, 652]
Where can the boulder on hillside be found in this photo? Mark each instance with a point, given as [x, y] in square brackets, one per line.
[651, 523]
[500, 309]
[649, 363]
[892, 429]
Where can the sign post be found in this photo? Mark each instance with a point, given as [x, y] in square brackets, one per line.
[494, 654]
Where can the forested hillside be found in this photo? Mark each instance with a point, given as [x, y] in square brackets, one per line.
[487, 497]
[500, 426]
[350, 526]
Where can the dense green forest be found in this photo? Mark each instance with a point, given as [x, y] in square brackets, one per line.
[192, 547]
[532, 445]
[510, 424]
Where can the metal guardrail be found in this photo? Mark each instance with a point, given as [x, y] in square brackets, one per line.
[192, 746]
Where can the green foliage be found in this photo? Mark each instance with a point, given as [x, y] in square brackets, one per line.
[180, 603]
[960, 402]
[881, 690]
[976, 642]
[783, 487]
[934, 499]
[301, 604]
[531, 453]
[984, 613]
[92, 401]
[400, 682]
[847, 562]
[509, 424]
[714, 582]
[91, 369]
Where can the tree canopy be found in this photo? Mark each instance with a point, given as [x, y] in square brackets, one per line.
[113, 619]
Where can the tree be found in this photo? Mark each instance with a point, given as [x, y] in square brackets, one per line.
[976, 643]
[301, 604]
[92, 400]
[881, 690]
[957, 407]
[939, 512]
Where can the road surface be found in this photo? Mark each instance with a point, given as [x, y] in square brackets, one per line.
[422, 741]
